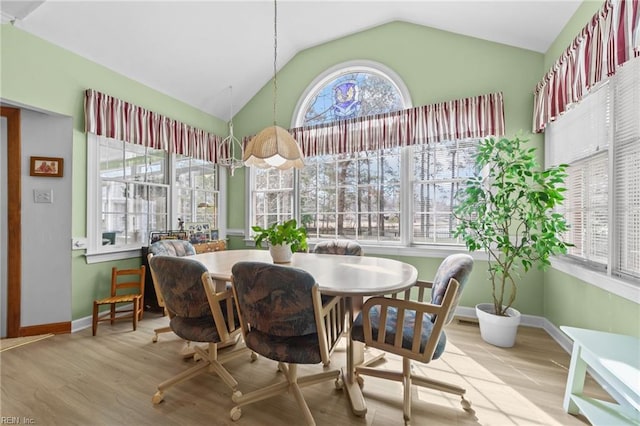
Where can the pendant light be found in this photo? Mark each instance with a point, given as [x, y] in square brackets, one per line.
[228, 147]
[274, 147]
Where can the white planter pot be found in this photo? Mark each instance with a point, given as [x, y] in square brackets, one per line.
[281, 253]
[495, 329]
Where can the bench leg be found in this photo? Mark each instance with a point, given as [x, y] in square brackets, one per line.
[575, 379]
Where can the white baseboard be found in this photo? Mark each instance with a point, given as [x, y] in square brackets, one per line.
[87, 322]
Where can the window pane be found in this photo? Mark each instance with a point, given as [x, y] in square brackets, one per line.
[156, 170]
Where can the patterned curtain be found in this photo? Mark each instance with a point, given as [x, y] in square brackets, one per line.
[610, 39]
[107, 116]
[475, 117]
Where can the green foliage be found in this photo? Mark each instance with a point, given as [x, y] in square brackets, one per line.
[508, 212]
[285, 233]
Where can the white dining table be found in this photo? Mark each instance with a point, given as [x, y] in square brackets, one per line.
[346, 276]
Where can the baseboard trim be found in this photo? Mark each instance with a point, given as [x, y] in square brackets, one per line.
[53, 328]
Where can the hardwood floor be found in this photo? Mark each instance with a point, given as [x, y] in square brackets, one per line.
[77, 379]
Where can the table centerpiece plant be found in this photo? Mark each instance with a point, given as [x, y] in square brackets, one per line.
[284, 239]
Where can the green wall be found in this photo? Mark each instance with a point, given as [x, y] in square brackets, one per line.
[436, 66]
[38, 74]
[568, 300]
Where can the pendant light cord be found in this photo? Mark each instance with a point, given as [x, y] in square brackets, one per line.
[275, 58]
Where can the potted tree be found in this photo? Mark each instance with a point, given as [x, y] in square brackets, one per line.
[508, 211]
[284, 239]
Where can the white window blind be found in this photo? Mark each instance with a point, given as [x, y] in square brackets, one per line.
[600, 139]
[626, 171]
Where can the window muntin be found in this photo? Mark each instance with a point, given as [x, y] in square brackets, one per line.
[439, 170]
[600, 140]
[354, 196]
[272, 196]
[133, 193]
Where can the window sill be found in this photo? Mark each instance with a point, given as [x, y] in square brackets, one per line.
[118, 254]
[397, 250]
[624, 289]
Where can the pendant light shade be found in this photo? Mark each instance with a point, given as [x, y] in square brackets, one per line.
[273, 147]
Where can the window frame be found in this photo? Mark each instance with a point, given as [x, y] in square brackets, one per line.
[95, 252]
[600, 275]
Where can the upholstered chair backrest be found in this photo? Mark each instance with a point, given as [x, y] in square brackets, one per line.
[457, 266]
[180, 282]
[273, 299]
[344, 247]
[172, 248]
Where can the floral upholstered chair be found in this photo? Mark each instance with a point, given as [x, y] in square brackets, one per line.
[345, 247]
[284, 319]
[419, 335]
[200, 313]
[169, 248]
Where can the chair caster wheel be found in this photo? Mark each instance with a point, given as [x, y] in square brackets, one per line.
[235, 397]
[254, 356]
[154, 339]
[235, 413]
[360, 381]
[339, 384]
[157, 397]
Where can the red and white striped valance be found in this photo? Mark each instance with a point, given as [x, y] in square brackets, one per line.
[107, 116]
[611, 38]
[475, 117]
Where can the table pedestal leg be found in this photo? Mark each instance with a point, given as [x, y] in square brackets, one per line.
[355, 355]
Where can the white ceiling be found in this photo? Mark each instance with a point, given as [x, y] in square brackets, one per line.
[195, 50]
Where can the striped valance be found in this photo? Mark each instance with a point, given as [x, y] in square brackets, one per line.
[475, 117]
[107, 116]
[611, 38]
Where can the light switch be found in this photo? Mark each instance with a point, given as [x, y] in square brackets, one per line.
[43, 195]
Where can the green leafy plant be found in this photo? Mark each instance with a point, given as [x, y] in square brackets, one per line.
[508, 211]
[285, 233]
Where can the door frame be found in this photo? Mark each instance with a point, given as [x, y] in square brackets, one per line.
[14, 227]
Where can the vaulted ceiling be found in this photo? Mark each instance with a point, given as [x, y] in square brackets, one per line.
[195, 50]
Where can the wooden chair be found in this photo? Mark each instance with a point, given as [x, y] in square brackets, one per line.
[410, 324]
[123, 281]
[201, 313]
[169, 248]
[283, 318]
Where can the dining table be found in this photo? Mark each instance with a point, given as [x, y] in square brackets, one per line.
[350, 277]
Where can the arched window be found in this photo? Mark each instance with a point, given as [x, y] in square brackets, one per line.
[349, 90]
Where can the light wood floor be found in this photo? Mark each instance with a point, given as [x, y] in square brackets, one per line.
[77, 379]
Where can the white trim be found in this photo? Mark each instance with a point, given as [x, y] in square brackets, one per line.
[601, 280]
[113, 255]
[358, 65]
[235, 232]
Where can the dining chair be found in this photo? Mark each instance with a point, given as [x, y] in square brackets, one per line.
[173, 247]
[410, 324]
[127, 287]
[284, 318]
[201, 313]
[344, 247]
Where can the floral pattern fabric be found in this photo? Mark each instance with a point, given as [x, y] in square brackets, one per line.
[276, 304]
[180, 282]
[172, 248]
[344, 247]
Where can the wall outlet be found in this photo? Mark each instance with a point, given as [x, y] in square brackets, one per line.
[43, 195]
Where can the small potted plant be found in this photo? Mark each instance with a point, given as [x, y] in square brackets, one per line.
[284, 239]
[509, 212]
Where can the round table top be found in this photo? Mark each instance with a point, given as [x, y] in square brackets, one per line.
[339, 275]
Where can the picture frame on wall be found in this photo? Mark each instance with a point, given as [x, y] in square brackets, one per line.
[46, 166]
